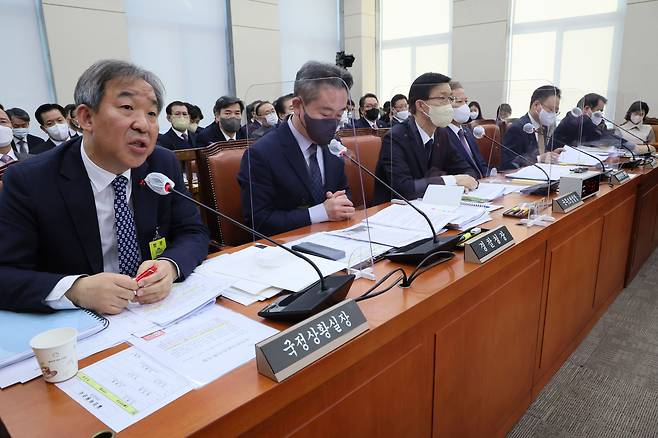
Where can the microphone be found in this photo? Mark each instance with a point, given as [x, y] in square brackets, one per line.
[479, 132]
[597, 117]
[414, 252]
[294, 307]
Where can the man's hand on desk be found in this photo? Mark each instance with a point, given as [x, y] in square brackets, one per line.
[551, 157]
[338, 206]
[156, 286]
[103, 293]
[467, 182]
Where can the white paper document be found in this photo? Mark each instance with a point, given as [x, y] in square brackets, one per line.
[203, 348]
[195, 292]
[572, 156]
[445, 197]
[388, 236]
[485, 192]
[124, 388]
[554, 171]
[406, 218]
[272, 266]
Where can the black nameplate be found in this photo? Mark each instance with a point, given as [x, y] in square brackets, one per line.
[619, 177]
[567, 202]
[485, 246]
[287, 352]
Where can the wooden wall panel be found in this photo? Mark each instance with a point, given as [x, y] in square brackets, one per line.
[485, 358]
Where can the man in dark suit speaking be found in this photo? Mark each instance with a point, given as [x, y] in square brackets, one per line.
[288, 178]
[76, 225]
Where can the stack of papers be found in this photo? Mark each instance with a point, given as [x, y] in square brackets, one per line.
[570, 155]
[406, 218]
[379, 234]
[185, 298]
[271, 267]
[485, 192]
[554, 171]
[356, 251]
[468, 217]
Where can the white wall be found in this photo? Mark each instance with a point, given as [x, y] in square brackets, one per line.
[24, 75]
[639, 61]
[308, 32]
[184, 43]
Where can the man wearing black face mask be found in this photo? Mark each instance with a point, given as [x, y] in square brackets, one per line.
[288, 178]
[369, 109]
[228, 119]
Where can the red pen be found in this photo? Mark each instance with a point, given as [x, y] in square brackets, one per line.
[152, 270]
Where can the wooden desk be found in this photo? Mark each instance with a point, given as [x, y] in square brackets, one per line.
[461, 353]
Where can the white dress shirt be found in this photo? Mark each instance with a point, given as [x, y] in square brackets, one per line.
[228, 137]
[11, 153]
[448, 180]
[317, 213]
[101, 186]
[20, 147]
[180, 134]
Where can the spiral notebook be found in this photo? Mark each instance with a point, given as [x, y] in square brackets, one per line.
[18, 328]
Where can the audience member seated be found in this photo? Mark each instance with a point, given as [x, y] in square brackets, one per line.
[53, 122]
[634, 121]
[23, 143]
[227, 124]
[369, 111]
[195, 117]
[544, 106]
[409, 157]
[504, 112]
[72, 120]
[252, 123]
[458, 150]
[476, 111]
[177, 137]
[288, 178]
[266, 118]
[386, 114]
[573, 130]
[283, 106]
[76, 223]
[7, 153]
[399, 109]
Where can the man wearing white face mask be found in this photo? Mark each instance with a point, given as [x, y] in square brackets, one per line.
[266, 119]
[409, 159]
[544, 108]
[23, 143]
[7, 154]
[399, 109]
[458, 150]
[574, 130]
[53, 122]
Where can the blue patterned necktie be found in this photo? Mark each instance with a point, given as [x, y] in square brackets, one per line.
[126, 231]
[317, 188]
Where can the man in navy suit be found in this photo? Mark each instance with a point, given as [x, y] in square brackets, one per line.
[369, 110]
[288, 178]
[178, 137]
[544, 107]
[409, 159]
[77, 226]
[23, 143]
[458, 150]
[226, 127]
[573, 130]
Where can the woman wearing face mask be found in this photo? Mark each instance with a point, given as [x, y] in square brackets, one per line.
[634, 122]
[476, 111]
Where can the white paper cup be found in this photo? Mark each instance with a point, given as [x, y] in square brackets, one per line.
[56, 353]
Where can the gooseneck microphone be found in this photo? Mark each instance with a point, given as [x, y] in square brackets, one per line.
[479, 132]
[414, 252]
[294, 307]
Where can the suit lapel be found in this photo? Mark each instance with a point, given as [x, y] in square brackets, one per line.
[418, 146]
[76, 191]
[456, 142]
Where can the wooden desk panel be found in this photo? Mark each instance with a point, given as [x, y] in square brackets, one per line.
[485, 357]
[443, 302]
[645, 227]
